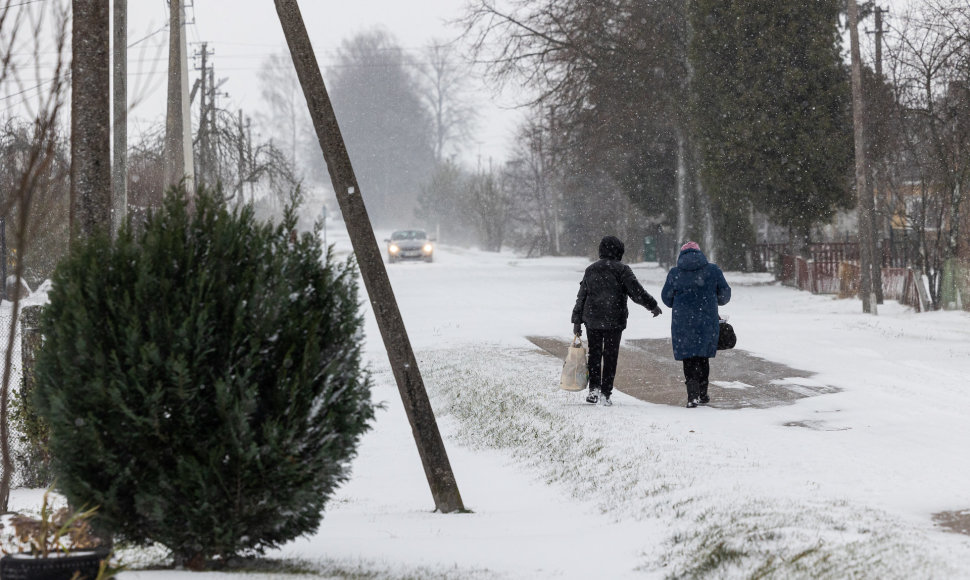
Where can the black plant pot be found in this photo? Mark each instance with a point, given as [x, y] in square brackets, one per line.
[20, 567]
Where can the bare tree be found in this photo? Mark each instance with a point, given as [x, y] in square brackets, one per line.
[384, 121]
[533, 179]
[614, 73]
[929, 56]
[442, 206]
[146, 172]
[445, 79]
[35, 166]
[491, 204]
[284, 119]
[241, 164]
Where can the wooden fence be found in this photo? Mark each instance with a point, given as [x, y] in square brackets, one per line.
[842, 278]
[896, 253]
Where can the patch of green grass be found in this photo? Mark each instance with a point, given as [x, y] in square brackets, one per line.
[713, 559]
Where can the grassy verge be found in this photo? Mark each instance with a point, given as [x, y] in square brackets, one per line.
[631, 467]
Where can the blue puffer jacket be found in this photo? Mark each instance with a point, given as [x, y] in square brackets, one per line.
[693, 291]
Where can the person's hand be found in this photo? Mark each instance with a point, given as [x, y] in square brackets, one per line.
[656, 311]
[578, 329]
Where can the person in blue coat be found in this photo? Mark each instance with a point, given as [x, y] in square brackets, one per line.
[693, 291]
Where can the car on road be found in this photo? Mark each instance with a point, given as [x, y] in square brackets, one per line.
[409, 245]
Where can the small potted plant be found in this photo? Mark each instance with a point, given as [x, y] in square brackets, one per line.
[60, 545]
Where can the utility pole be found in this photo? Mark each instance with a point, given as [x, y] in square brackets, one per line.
[875, 182]
[174, 168]
[203, 130]
[424, 426]
[241, 150]
[119, 169]
[250, 162]
[188, 157]
[178, 153]
[205, 105]
[865, 207]
[879, 12]
[90, 118]
[174, 154]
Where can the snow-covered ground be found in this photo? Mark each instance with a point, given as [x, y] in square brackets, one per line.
[561, 489]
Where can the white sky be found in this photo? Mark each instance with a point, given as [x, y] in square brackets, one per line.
[242, 33]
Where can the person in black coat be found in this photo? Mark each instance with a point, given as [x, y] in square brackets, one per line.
[693, 291]
[601, 305]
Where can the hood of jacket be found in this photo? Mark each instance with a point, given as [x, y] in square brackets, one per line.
[611, 248]
[691, 260]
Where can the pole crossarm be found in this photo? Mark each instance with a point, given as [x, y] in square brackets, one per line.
[424, 426]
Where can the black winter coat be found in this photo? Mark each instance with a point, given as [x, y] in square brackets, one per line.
[601, 302]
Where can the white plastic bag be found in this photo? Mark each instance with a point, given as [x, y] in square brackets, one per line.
[575, 373]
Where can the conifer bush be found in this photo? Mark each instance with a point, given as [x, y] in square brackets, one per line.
[202, 379]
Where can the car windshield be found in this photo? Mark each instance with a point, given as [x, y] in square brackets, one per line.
[409, 235]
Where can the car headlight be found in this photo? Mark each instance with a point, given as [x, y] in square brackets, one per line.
[427, 248]
[393, 249]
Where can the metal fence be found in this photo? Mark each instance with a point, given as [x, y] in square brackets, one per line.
[13, 388]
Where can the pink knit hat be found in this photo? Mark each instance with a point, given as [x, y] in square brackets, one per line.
[690, 246]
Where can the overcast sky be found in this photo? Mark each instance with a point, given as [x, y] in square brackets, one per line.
[242, 33]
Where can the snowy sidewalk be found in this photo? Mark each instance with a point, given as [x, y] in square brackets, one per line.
[647, 370]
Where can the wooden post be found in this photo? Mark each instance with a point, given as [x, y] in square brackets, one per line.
[424, 426]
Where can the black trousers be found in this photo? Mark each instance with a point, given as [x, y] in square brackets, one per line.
[604, 348]
[696, 371]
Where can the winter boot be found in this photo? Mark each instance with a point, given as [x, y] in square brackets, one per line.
[693, 393]
[594, 396]
[605, 401]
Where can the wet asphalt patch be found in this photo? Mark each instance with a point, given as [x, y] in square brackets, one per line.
[647, 370]
[957, 522]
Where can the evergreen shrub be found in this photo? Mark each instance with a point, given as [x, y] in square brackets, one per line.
[202, 379]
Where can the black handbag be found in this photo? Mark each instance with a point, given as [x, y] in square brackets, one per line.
[725, 337]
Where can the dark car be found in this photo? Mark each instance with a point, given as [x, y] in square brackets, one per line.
[409, 245]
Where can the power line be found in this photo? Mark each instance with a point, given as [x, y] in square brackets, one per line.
[140, 40]
[23, 3]
[66, 76]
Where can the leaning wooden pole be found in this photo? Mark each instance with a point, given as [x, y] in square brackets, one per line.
[424, 426]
